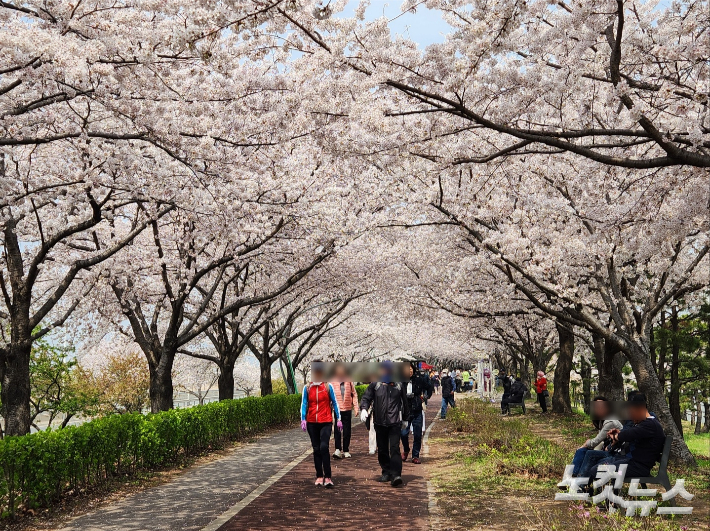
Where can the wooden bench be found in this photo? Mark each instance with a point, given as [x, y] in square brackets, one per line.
[661, 478]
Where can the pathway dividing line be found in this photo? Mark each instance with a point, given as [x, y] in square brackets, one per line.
[244, 502]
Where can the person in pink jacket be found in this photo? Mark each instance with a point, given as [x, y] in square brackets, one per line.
[346, 396]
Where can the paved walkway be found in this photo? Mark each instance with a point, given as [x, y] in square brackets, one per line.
[195, 498]
[268, 484]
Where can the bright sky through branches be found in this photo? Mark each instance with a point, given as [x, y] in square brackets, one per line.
[425, 26]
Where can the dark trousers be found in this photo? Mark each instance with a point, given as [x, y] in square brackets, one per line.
[347, 418]
[446, 401]
[388, 449]
[320, 441]
[633, 469]
[414, 426]
[509, 400]
[542, 400]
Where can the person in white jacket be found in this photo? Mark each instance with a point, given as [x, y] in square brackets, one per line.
[600, 413]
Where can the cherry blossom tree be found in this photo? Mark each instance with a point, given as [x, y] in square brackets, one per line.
[195, 376]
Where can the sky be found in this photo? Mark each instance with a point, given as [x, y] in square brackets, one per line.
[424, 27]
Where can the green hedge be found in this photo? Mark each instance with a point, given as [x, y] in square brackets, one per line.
[360, 391]
[38, 468]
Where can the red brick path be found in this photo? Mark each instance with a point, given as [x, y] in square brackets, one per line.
[357, 502]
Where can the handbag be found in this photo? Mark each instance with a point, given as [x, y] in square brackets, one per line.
[545, 393]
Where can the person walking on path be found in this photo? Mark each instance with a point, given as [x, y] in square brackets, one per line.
[418, 390]
[317, 407]
[390, 408]
[346, 396]
[436, 381]
[541, 390]
[465, 377]
[447, 392]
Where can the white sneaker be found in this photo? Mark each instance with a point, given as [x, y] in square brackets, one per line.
[346, 454]
[337, 454]
[372, 452]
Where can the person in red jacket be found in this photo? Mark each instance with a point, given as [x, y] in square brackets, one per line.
[541, 389]
[317, 407]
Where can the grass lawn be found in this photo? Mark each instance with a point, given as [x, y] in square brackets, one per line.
[495, 472]
[698, 444]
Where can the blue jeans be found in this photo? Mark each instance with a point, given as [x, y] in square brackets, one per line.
[578, 459]
[590, 460]
[445, 403]
[414, 425]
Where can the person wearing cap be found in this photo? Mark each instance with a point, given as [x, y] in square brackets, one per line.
[447, 392]
[390, 411]
[541, 390]
[645, 435]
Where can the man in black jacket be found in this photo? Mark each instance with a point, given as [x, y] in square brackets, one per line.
[517, 394]
[447, 392]
[390, 409]
[418, 390]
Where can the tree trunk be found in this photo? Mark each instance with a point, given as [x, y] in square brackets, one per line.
[265, 376]
[525, 377]
[674, 398]
[289, 377]
[698, 414]
[610, 362]
[560, 397]
[654, 356]
[663, 350]
[586, 373]
[161, 383]
[706, 428]
[16, 387]
[650, 386]
[225, 382]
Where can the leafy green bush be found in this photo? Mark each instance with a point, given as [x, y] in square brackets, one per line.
[360, 391]
[278, 387]
[37, 469]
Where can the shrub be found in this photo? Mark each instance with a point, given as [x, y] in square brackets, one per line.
[360, 389]
[279, 387]
[37, 469]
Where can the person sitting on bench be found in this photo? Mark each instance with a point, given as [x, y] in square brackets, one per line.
[646, 436]
[596, 449]
[517, 392]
